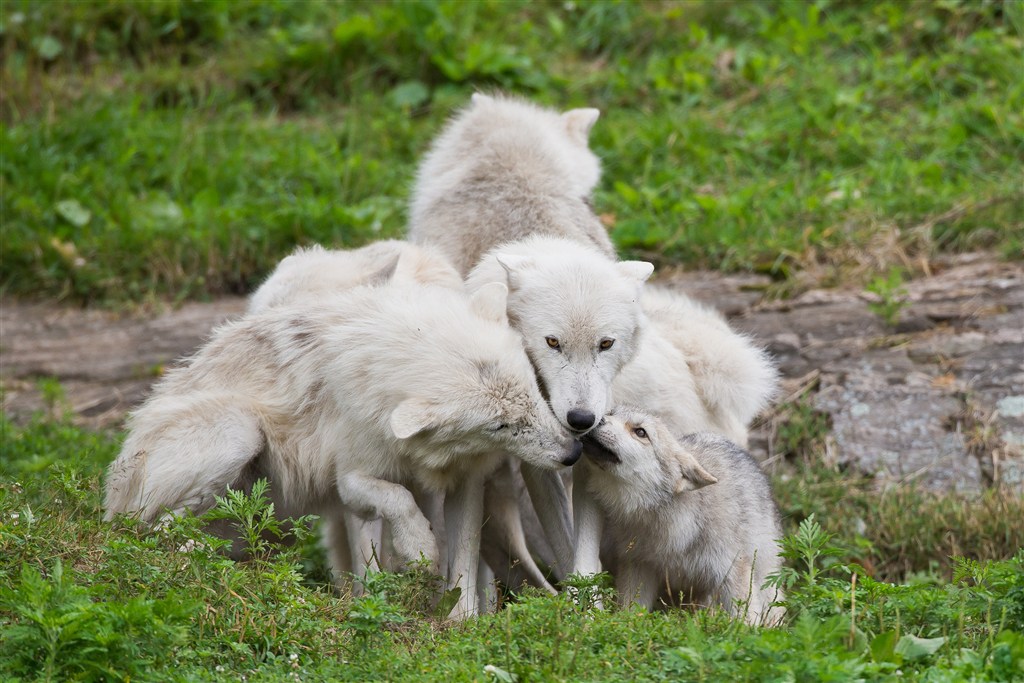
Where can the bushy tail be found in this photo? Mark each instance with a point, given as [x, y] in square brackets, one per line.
[180, 453]
[734, 378]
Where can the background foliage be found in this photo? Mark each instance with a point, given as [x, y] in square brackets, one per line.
[179, 148]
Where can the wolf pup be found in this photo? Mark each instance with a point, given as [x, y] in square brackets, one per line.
[343, 404]
[690, 520]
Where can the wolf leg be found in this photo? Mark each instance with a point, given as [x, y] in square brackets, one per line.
[369, 497]
[463, 518]
[547, 493]
[589, 524]
[635, 585]
[505, 537]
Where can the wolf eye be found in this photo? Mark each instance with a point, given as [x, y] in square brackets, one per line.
[498, 428]
[553, 342]
[640, 432]
[606, 344]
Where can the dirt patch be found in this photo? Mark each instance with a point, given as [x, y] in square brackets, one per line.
[936, 398]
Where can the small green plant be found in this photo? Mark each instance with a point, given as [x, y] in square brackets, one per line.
[59, 632]
[253, 514]
[589, 591]
[892, 295]
[807, 548]
[373, 611]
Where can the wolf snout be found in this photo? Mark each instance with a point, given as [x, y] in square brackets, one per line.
[600, 454]
[573, 454]
[580, 419]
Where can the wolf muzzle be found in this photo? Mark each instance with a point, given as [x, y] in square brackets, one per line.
[598, 452]
[575, 451]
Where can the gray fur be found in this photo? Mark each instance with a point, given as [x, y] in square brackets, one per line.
[690, 519]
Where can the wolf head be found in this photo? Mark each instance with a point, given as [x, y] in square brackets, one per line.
[640, 465]
[485, 397]
[579, 315]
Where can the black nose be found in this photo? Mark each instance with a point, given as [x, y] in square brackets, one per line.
[574, 454]
[580, 419]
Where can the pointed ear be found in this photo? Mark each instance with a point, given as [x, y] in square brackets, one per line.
[578, 123]
[490, 302]
[412, 416]
[386, 273]
[691, 476]
[514, 267]
[480, 98]
[637, 270]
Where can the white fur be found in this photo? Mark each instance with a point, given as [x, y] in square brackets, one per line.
[347, 402]
[513, 179]
[689, 520]
[694, 371]
[311, 272]
[564, 291]
[504, 169]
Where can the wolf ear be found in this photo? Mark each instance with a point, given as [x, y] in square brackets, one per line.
[636, 270]
[490, 302]
[691, 476]
[385, 274]
[514, 266]
[412, 416]
[578, 123]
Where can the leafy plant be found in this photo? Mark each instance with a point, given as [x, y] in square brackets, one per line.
[59, 632]
[892, 296]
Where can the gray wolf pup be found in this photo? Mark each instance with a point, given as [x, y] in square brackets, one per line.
[691, 519]
[344, 404]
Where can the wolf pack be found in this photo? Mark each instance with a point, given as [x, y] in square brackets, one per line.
[497, 394]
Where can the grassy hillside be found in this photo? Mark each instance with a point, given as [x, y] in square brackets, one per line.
[178, 149]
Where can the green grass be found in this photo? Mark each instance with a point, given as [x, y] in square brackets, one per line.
[83, 599]
[177, 149]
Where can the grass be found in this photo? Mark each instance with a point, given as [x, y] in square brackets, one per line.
[923, 587]
[174, 149]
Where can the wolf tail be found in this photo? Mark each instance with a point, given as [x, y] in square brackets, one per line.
[180, 453]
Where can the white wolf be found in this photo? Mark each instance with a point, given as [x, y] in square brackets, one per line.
[312, 272]
[341, 404]
[510, 178]
[695, 371]
[505, 169]
[669, 536]
[581, 322]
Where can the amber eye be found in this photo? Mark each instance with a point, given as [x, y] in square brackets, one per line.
[553, 342]
[640, 432]
[606, 344]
